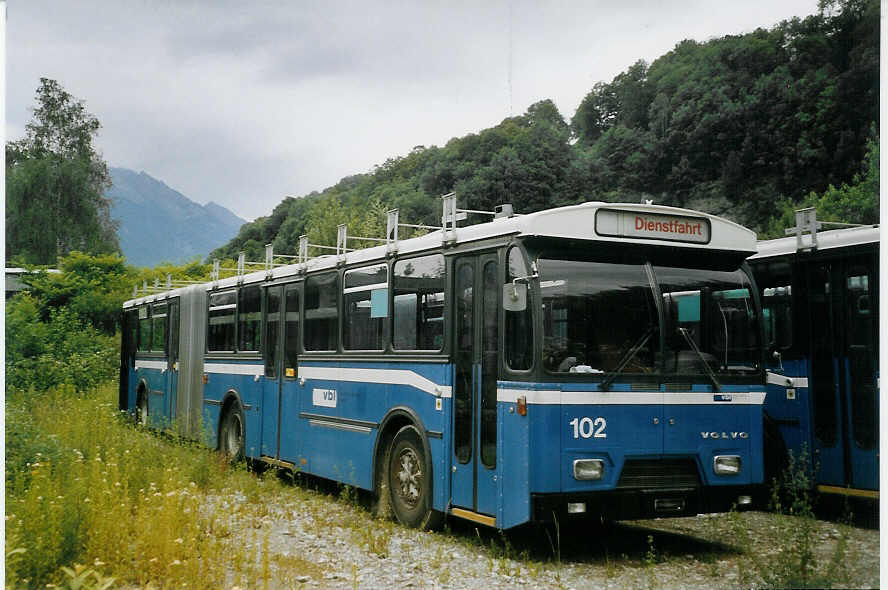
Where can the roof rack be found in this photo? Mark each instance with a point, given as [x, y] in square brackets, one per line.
[157, 287]
[806, 221]
[450, 216]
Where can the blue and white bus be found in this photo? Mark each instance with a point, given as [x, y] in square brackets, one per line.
[599, 359]
[820, 294]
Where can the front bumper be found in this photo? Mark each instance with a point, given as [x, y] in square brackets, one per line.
[642, 503]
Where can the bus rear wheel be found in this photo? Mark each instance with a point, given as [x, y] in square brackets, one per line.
[142, 409]
[231, 433]
[409, 481]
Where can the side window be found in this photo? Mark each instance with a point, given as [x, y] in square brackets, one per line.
[220, 330]
[272, 329]
[418, 315]
[775, 281]
[291, 330]
[144, 329]
[321, 312]
[158, 327]
[519, 324]
[365, 307]
[173, 324]
[249, 318]
[131, 333]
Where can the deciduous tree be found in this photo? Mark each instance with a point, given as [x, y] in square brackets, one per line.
[56, 180]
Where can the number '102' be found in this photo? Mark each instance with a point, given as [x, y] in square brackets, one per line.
[586, 427]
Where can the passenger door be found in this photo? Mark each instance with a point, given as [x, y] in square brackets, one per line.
[281, 391]
[271, 392]
[477, 292]
[843, 314]
[172, 380]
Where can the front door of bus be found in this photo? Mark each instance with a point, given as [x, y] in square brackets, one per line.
[280, 391]
[476, 329]
[843, 318]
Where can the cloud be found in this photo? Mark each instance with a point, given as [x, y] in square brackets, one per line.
[243, 103]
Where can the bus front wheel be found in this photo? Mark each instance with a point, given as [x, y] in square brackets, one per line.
[409, 481]
[231, 433]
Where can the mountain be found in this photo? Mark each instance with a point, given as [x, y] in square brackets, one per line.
[159, 224]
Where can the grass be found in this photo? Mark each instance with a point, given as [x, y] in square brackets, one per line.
[92, 498]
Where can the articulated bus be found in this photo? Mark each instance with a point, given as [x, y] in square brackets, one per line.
[820, 294]
[599, 359]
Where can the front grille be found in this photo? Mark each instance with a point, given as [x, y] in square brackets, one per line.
[659, 474]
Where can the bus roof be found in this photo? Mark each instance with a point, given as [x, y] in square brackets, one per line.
[653, 225]
[826, 240]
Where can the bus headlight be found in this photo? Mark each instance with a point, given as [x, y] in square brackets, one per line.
[727, 464]
[585, 469]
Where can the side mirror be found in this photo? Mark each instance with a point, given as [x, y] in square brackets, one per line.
[515, 296]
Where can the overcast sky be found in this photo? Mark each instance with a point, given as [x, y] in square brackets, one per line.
[244, 103]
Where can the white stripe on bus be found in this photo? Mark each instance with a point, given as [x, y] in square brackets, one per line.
[630, 398]
[234, 369]
[386, 376]
[143, 364]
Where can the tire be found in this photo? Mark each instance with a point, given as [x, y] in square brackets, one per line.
[410, 482]
[142, 409]
[232, 433]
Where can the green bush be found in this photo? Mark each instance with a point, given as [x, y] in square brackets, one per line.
[62, 351]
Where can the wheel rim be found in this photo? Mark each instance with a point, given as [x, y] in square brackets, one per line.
[408, 478]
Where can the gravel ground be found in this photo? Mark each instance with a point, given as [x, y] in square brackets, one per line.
[310, 539]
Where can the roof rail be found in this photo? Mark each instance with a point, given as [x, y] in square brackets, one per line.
[806, 221]
[449, 218]
[168, 284]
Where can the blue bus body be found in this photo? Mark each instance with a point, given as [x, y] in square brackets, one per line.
[821, 313]
[460, 401]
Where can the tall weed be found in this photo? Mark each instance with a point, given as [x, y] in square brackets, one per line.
[796, 560]
[87, 487]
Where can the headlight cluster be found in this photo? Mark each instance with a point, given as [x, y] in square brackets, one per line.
[587, 469]
[727, 464]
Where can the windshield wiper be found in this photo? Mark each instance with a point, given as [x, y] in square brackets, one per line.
[630, 354]
[687, 336]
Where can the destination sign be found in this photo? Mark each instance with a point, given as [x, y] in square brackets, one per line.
[639, 224]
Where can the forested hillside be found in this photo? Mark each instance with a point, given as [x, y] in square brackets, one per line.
[743, 126]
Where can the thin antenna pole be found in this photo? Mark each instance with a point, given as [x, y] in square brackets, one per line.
[510, 60]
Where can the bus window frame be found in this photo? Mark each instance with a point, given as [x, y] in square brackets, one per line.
[210, 295]
[237, 320]
[164, 345]
[532, 305]
[447, 261]
[337, 348]
[146, 307]
[344, 315]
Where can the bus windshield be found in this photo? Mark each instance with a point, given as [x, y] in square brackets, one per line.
[604, 318]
